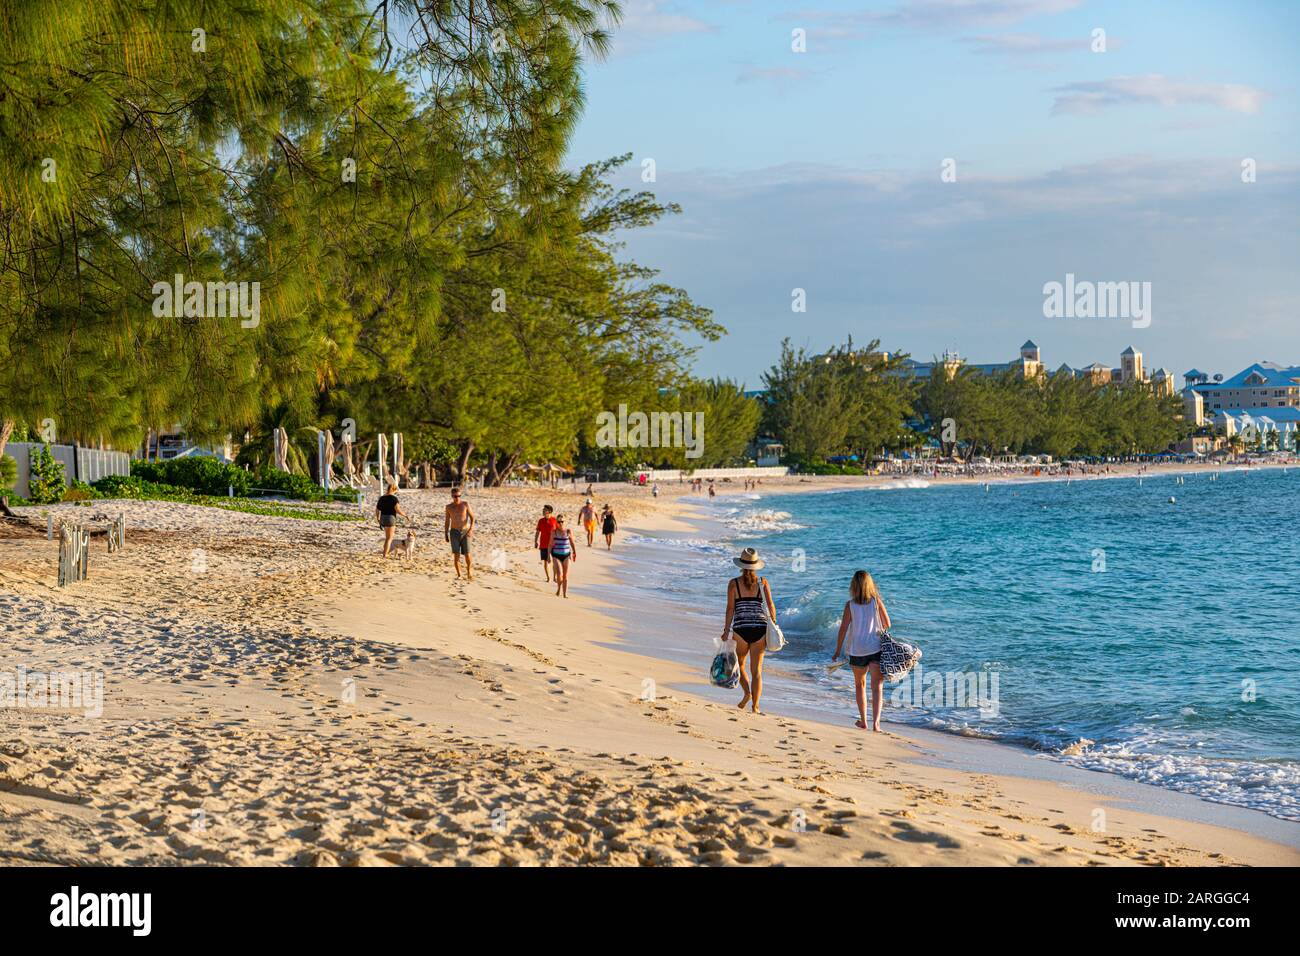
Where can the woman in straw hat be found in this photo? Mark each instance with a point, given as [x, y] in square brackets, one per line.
[747, 621]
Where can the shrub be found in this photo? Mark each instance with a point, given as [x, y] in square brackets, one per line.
[79, 491]
[8, 473]
[806, 466]
[46, 483]
[289, 484]
[133, 486]
[207, 476]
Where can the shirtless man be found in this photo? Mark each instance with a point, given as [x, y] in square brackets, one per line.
[457, 526]
[588, 518]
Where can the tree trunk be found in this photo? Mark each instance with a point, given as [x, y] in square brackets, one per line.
[504, 470]
[6, 429]
[493, 477]
[462, 463]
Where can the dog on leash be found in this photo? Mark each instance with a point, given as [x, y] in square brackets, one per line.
[404, 548]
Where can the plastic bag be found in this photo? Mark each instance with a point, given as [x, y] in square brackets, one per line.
[725, 670]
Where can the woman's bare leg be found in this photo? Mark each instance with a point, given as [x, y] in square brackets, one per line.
[877, 696]
[388, 539]
[740, 663]
[860, 689]
[756, 671]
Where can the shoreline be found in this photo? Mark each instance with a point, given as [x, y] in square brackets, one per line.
[974, 754]
[300, 701]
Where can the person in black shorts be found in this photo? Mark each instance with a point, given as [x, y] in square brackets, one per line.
[387, 511]
[864, 618]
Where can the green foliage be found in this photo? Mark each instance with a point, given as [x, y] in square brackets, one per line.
[45, 481]
[288, 484]
[848, 399]
[202, 474]
[8, 473]
[1059, 415]
[136, 488]
[805, 466]
[79, 491]
[380, 175]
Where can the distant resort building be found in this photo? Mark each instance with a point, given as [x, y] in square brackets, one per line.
[174, 443]
[1030, 364]
[1262, 401]
[1262, 385]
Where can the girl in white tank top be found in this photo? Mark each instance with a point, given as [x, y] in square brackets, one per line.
[863, 620]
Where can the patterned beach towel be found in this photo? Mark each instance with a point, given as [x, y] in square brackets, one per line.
[896, 657]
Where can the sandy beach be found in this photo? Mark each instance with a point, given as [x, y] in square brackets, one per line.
[275, 693]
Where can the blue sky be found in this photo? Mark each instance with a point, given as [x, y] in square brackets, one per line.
[821, 170]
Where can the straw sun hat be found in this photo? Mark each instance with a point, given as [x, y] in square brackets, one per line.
[748, 560]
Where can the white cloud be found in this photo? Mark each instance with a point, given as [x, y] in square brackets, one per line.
[774, 74]
[942, 14]
[927, 265]
[939, 15]
[1026, 44]
[1158, 90]
[646, 21]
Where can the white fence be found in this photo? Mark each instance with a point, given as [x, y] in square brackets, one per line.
[79, 464]
[673, 474]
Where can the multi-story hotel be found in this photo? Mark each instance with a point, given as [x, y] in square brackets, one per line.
[1258, 400]
[1262, 385]
[1030, 363]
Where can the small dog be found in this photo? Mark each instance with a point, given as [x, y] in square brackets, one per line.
[405, 548]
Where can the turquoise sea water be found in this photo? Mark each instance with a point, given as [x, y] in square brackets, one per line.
[1178, 664]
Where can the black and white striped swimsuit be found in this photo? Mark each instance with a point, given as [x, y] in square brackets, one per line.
[748, 620]
[561, 545]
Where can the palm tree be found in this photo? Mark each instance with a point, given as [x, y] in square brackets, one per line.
[257, 451]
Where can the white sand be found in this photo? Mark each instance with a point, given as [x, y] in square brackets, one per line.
[277, 694]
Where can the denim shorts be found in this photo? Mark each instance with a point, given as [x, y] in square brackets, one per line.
[866, 660]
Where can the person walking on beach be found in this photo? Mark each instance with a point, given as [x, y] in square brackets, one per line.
[542, 537]
[608, 526]
[587, 516]
[457, 526]
[863, 620]
[387, 511]
[749, 604]
[564, 548]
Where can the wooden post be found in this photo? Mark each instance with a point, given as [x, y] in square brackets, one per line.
[74, 554]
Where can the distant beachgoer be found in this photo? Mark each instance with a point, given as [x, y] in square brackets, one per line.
[712, 492]
[608, 525]
[654, 491]
[588, 518]
[542, 537]
[387, 511]
[457, 526]
[864, 618]
[564, 548]
[746, 619]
